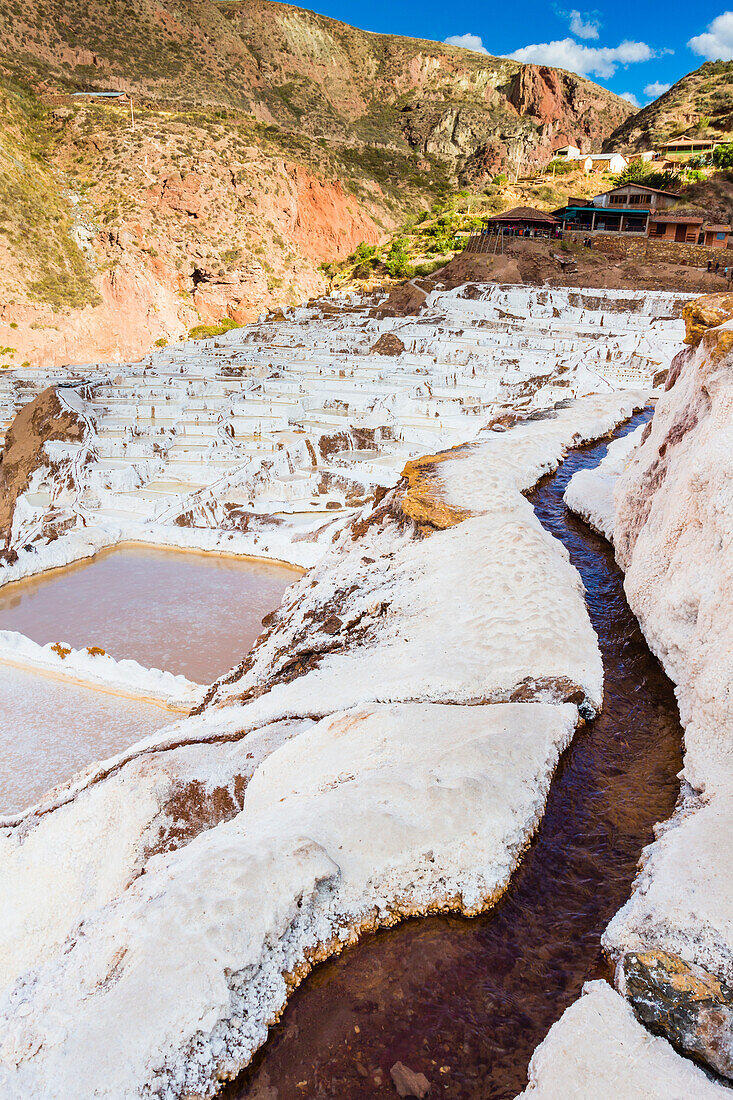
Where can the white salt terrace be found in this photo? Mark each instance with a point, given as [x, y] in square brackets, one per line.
[292, 425]
[267, 441]
[256, 403]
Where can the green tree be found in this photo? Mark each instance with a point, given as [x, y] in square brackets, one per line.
[641, 172]
[397, 260]
[723, 156]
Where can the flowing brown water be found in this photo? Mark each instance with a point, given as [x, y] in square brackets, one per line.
[467, 1001]
[185, 613]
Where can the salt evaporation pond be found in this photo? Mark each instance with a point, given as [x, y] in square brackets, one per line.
[50, 729]
[467, 1001]
[194, 614]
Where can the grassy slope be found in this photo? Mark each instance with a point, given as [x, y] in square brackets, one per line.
[430, 240]
[699, 105]
[36, 244]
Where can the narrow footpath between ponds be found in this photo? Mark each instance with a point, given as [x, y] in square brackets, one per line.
[466, 1001]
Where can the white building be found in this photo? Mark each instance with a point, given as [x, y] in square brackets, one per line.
[567, 152]
[604, 162]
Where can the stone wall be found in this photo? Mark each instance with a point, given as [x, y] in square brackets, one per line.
[646, 250]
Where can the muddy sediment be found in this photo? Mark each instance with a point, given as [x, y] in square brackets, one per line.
[466, 1001]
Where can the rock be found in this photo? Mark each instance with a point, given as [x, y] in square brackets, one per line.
[690, 1006]
[705, 313]
[409, 1083]
[388, 344]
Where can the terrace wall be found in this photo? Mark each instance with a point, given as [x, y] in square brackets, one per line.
[646, 250]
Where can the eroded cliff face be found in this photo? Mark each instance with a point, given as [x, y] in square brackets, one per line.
[44, 420]
[673, 536]
[170, 239]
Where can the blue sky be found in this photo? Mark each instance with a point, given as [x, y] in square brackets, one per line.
[635, 49]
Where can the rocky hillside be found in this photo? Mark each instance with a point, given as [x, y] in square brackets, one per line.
[267, 140]
[698, 105]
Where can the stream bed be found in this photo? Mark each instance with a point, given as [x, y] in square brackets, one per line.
[467, 1001]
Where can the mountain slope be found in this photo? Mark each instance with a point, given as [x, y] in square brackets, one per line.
[267, 140]
[296, 69]
[699, 105]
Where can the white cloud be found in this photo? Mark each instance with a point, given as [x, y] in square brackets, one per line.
[583, 24]
[656, 89]
[631, 98]
[467, 41]
[717, 42]
[584, 60]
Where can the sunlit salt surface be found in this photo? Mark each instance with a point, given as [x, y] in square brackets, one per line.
[194, 614]
[466, 1001]
[51, 729]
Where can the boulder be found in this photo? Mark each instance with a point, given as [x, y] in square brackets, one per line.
[686, 1003]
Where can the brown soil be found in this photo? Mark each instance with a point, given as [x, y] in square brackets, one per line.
[540, 263]
[388, 344]
[41, 420]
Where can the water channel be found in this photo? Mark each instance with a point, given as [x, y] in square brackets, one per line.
[467, 1001]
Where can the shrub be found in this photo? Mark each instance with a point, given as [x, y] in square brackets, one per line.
[723, 156]
[363, 252]
[205, 332]
[397, 260]
[161, 342]
[501, 179]
[640, 172]
[561, 167]
[429, 268]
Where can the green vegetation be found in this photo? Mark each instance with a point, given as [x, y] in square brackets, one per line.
[640, 172]
[205, 332]
[397, 259]
[723, 156]
[35, 216]
[561, 167]
[161, 342]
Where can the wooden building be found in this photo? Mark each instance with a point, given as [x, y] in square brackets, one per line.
[624, 209]
[689, 146]
[524, 221]
[716, 236]
[683, 225]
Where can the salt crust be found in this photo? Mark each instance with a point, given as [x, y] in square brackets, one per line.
[401, 809]
[590, 492]
[61, 865]
[672, 529]
[473, 611]
[433, 810]
[677, 493]
[397, 785]
[598, 1050]
[101, 670]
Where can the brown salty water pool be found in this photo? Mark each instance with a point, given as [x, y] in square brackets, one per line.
[195, 614]
[50, 729]
[467, 1001]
